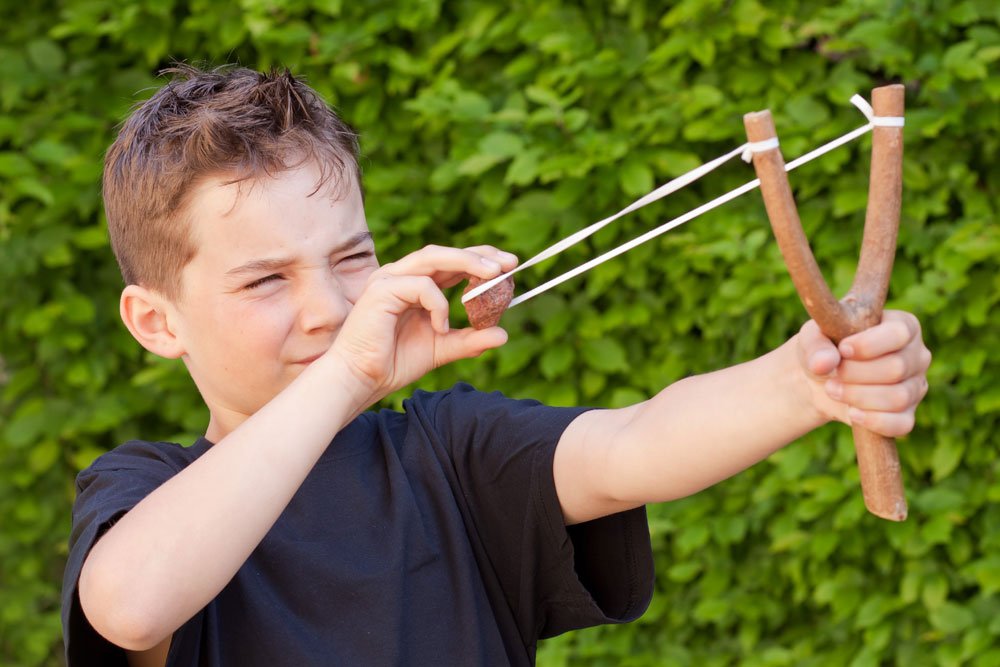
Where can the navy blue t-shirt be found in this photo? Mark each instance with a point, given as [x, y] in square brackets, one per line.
[428, 537]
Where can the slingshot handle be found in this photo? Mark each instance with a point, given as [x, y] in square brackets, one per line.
[861, 308]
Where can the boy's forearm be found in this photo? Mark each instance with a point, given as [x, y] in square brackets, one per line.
[172, 553]
[707, 428]
[694, 433]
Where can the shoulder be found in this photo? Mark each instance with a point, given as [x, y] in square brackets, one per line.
[463, 397]
[143, 456]
[463, 414]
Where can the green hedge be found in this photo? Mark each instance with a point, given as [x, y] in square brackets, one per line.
[514, 124]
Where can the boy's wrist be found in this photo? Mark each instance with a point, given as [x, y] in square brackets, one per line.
[805, 389]
[359, 392]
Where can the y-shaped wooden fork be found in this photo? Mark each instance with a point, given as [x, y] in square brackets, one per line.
[861, 308]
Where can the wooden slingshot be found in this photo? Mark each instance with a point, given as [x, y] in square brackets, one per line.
[861, 308]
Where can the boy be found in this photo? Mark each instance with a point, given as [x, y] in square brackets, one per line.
[303, 530]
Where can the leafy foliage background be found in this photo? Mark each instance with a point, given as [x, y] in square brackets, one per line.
[515, 123]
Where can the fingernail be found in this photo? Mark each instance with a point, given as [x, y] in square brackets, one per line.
[508, 255]
[834, 389]
[489, 262]
[846, 350]
[856, 416]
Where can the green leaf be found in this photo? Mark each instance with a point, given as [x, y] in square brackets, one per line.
[986, 572]
[30, 187]
[960, 59]
[523, 168]
[805, 111]
[604, 355]
[623, 397]
[951, 618]
[516, 354]
[43, 455]
[873, 610]
[947, 457]
[684, 572]
[477, 164]
[90, 238]
[46, 56]
[988, 400]
[636, 178]
[935, 591]
[556, 360]
[79, 309]
[501, 145]
[28, 422]
[13, 165]
[937, 500]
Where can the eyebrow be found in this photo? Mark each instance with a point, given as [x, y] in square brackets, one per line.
[273, 263]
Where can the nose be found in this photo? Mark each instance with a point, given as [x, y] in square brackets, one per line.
[322, 302]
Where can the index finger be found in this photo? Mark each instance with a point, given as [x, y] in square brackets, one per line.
[507, 260]
[896, 330]
[445, 265]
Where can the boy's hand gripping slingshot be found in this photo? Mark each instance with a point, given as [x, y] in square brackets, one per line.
[878, 460]
[861, 308]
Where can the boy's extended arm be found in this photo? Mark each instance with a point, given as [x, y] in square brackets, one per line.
[705, 428]
[176, 550]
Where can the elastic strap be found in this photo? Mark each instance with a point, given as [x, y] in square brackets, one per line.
[747, 151]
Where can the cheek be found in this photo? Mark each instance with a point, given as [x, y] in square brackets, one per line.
[258, 326]
[353, 284]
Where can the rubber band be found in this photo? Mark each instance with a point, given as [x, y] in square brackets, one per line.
[625, 247]
[746, 151]
[657, 194]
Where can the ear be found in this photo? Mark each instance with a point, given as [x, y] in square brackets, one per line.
[150, 318]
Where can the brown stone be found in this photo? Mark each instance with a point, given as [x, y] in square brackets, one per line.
[485, 310]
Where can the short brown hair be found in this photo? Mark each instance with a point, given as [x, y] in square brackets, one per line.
[227, 121]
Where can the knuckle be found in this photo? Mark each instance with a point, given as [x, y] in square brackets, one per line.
[906, 423]
[916, 392]
[892, 426]
[427, 284]
[904, 317]
[901, 332]
[900, 398]
[898, 370]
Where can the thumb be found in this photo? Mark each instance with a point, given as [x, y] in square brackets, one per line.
[466, 343]
[817, 353]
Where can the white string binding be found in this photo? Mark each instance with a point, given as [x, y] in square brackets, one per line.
[758, 147]
[746, 151]
[876, 121]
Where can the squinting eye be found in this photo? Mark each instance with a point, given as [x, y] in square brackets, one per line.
[262, 281]
[356, 261]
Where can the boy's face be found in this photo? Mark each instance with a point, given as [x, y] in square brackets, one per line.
[275, 273]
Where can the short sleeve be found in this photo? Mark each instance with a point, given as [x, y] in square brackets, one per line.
[554, 579]
[109, 488]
